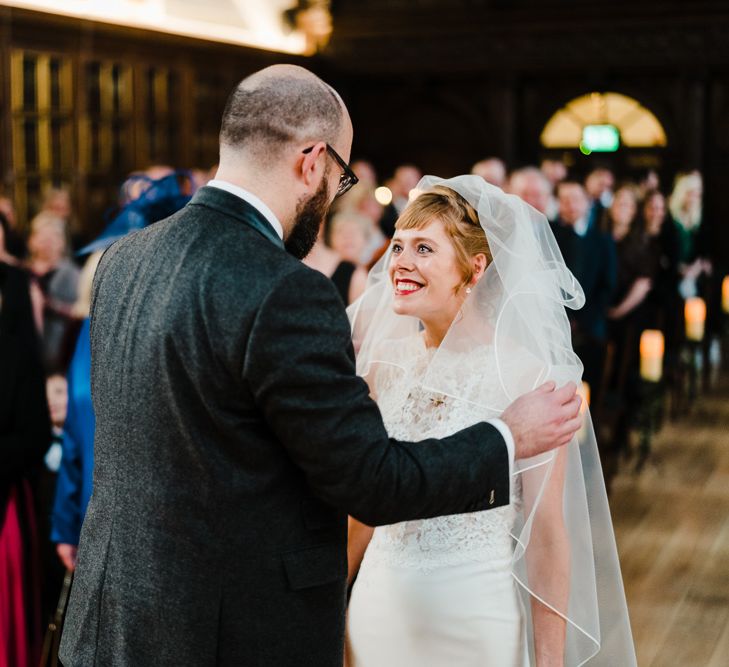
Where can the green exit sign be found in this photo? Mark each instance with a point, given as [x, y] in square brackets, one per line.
[600, 139]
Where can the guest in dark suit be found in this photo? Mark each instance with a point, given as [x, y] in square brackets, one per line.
[232, 434]
[599, 188]
[590, 255]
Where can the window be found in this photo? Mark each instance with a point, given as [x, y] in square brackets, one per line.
[637, 126]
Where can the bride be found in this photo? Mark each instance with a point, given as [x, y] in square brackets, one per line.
[464, 313]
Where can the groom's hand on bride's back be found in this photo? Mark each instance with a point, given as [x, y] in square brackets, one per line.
[543, 419]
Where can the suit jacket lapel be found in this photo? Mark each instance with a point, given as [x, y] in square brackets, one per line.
[235, 207]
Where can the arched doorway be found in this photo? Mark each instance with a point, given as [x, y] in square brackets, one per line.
[606, 129]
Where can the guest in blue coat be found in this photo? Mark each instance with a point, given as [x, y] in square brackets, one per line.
[73, 487]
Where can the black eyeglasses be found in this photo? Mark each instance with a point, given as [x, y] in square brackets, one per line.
[348, 179]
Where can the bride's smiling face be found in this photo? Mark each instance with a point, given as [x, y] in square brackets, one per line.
[425, 274]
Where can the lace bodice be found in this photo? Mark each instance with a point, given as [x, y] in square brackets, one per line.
[413, 413]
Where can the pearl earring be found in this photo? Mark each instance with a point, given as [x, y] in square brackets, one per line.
[468, 290]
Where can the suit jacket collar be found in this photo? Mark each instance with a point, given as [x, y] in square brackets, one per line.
[235, 207]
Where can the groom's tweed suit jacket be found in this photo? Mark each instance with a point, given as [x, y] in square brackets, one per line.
[232, 439]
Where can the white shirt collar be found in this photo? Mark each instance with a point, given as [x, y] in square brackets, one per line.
[252, 200]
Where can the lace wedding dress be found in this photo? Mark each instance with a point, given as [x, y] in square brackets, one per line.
[437, 592]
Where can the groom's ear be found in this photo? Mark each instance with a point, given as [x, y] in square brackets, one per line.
[311, 164]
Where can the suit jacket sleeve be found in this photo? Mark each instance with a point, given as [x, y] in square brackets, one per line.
[299, 365]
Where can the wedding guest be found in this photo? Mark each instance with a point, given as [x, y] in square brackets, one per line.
[361, 201]
[366, 174]
[5, 255]
[57, 397]
[348, 236]
[24, 439]
[685, 206]
[660, 237]
[556, 172]
[14, 241]
[200, 177]
[57, 278]
[590, 254]
[648, 183]
[44, 485]
[533, 187]
[57, 202]
[599, 187]
[618, 218]
[492, 170]
[349, 278]
[8, 210]
[627, 317]
[404, 180]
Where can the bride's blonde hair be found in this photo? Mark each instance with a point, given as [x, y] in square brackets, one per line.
[460, 220]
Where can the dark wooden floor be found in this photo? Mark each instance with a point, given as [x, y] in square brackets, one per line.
[672, 528]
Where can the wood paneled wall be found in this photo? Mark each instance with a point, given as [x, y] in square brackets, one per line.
[84, 104]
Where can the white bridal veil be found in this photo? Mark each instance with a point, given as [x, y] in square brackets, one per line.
[564, 546]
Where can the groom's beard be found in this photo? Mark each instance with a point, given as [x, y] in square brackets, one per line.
[310, 214]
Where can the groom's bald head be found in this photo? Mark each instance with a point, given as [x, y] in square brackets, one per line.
[277, 107]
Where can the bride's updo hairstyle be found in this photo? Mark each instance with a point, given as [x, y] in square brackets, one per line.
[460, 220]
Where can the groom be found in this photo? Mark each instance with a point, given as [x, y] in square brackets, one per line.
[232, 434]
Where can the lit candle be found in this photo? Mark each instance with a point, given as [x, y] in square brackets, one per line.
[695, 312]
[725, 294]
[651, 355]
[383, 195]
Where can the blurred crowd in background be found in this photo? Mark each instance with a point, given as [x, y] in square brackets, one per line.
[638, 248]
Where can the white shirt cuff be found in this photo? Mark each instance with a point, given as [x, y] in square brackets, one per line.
[505, 431]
